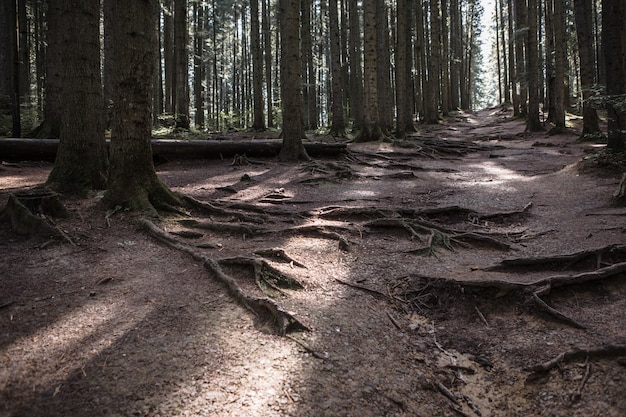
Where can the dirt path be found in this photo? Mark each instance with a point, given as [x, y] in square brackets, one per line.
[391, 240]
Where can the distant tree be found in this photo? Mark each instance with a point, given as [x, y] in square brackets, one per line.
[291, 82]
[383, 67]
[431, 110]
[584, 34]
[132, 181]
[198, 64]
[81, 161]
[267, 50]
[521, 61]
[614, 46]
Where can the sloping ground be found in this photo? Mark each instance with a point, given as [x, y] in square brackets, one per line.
[392, 246]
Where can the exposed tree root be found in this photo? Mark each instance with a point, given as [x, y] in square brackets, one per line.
[212, 209]
[278, 253]
[605, 352]
[235, 228]
[281, 321]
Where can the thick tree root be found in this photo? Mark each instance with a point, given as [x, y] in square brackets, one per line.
[212, 209]
[281, 321]
[608, 351]
[280, 254]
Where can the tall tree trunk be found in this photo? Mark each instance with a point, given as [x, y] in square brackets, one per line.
[404, 120]
[258, 120]
[356, 75]
[421, 83]
[512, 58]
[157, 83]
[456, 52]
[81, 161]
[560, 52]
[307, 61]
[23, 51]
[50, 127]
[584, 35]
[521, 75]
[533, 124]
[169, 57]
[291, 82]
[434, 67]
[7, 47]
[267, 46]
[505, 72]
[133, 182]
[445, 53]
[371, 130]
[337, 125]
[549, 58]
[614, 46]
[383, 67]
[198, 64]
[182, 71]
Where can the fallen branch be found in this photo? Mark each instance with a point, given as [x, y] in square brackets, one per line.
[364, 288]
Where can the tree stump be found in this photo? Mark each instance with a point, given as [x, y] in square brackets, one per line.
[30, 213]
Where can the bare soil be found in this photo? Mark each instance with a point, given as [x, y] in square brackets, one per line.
[405, 306]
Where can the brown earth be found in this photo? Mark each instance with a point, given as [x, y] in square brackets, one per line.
[404, 317]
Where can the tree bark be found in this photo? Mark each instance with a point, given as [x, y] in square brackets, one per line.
[614, 46]
[584, 35]
[258, 120]
[371, 130]
[431, 115]
[533, 124]
[82, 161]
[356, 74]
[198, 65]
[293, 128]
[337, 124]
[7, 42]
[267, 45]
[182, 71]
[560, 52]
[404, 121]
[383, 67]
[521, 75]
[133, 182]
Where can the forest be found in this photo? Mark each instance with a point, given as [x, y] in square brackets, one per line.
[296, 208]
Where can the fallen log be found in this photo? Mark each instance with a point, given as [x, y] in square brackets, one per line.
[45, 149]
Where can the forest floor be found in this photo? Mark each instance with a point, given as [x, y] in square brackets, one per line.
[474, 270]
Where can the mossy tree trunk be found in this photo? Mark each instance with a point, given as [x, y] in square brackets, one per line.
[81, 161]
[133, 182]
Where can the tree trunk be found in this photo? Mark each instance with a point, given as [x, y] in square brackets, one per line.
[533, 124]
[7, 42]
[198, 65]
[560, 52]
[267, 45]
[455, 53]
[383, 67]
[293, 129]
[258, 120]
[133, 181]
[507, 87]
[614, 47]
[168, 58]
[371, 130]
[584, 35]
[515, 99]
[81, 162]
[434, 67]
[337, 125]
[356, 75]
[182, 71]
[445, 53]
[521, 75]
[404, 121]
